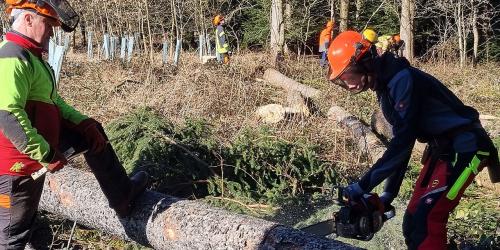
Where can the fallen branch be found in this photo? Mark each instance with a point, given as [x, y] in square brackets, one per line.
[279, 80]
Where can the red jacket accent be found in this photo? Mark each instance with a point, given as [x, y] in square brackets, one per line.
[25, 42]
[45, 117]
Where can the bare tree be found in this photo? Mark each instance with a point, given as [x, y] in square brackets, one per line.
[344, 14]
[407, 27]
[475, 30]
[331, 3]
[462, 29]
[277, 27]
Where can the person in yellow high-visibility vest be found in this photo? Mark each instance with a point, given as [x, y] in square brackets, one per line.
[221, 43]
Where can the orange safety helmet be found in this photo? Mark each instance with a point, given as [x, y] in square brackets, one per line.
[60, 10]
[217, 19]
[347, 48]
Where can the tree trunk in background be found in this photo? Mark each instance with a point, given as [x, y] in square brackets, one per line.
[463, 30]
[332, 9]
[277, 28]
[360, 4]
[407, 27]
[83, 30]
[288, 23]
[475, 31]
[344, 15]
[165, 222]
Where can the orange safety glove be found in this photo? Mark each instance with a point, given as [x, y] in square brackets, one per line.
[89, 129]
[56, 160]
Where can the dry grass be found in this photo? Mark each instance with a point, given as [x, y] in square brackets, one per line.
[227, 96]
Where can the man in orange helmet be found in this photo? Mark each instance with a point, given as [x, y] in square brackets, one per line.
[37, 125]
[324, 41]
[221, 44]
[419, 107]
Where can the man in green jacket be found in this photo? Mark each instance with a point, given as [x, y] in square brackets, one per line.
[36, 125]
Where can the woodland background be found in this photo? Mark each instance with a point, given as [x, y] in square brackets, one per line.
[285, 171]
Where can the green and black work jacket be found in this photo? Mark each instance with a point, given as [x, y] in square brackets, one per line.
[31, 111]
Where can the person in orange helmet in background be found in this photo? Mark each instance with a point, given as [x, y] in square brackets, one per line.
[221, 43]
[324, 41]
[418, 106]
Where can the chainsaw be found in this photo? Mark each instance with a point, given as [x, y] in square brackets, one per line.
[359, 219]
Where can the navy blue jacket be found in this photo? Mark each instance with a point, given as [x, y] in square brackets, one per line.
[418, 106]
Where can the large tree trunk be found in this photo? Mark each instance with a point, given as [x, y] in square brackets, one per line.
[165, 222]
[277, 28]
[279, 80]
[366, 141]
[344, 15]
[407, 27]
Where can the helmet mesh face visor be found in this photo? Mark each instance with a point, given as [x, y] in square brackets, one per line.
[67, 16]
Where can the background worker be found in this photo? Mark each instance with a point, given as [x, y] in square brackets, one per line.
[324, 41]
[221, 43]
[390, 43]
[383, 44]
[398, 45]
[418, 106]
[37, 125]
[370, 35]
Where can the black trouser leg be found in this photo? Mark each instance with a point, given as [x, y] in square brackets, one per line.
[110, 174]
[19, 197]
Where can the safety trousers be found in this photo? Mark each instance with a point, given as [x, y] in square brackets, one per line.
[20, 195]
[425, 219]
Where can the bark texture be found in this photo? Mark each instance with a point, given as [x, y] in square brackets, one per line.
[277, 27]
[279, 80]
[344, 15]
[406, 29]
[165, 222]
[364, 138]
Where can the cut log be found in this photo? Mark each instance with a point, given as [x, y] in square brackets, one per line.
[275, 113]
[279, 80]
[366, 141]
[297, 104]
[206, 59]
[165, 222]
[271, 113]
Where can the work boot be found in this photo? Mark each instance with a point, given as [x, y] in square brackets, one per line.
[139, 183]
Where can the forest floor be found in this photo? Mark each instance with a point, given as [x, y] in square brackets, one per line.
[227, 97]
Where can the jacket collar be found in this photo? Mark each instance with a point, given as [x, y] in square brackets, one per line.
[387, 66]
[25, 42]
